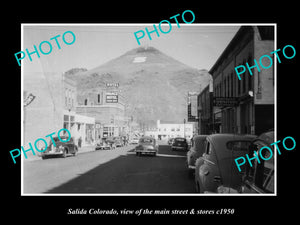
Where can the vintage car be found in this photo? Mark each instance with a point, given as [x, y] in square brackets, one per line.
[134, 141]
[103, 145]
[196, 151]
[217, 166]
[259, 178]
[62, 148]
[118, 142]
[106, 144]
[179, 143]
[147, 145]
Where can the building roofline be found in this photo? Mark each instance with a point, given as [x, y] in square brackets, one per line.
[240, 32]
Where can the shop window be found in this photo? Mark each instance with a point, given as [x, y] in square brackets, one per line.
[66, 118]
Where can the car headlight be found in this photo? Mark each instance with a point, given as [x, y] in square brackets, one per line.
[59, 148]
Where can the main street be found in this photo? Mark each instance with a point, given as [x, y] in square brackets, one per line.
[109, 171]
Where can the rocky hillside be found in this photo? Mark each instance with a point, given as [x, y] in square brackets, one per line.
[153, 84]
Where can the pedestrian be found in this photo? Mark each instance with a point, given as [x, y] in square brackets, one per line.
[124, 140]
[79, 142]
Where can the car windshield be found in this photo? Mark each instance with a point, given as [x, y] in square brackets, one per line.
[146, 141]
[180, 139]
[238, 145]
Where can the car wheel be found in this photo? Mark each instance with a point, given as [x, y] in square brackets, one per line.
[64, 155]
[75, 152]
[197, 187]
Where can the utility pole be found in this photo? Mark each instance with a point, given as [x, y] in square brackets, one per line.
[184, 128]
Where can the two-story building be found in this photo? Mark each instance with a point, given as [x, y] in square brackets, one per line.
[246, 105]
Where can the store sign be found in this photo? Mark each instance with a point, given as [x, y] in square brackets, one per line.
[111, 98]
[224, 102]
[112, 84]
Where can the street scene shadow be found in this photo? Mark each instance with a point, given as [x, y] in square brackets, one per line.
[165, 173]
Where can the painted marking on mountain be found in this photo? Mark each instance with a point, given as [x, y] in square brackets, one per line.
[139, 59]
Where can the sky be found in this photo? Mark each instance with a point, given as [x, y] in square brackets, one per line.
[196, 45]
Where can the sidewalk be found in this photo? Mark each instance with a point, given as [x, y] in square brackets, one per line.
[84, 149]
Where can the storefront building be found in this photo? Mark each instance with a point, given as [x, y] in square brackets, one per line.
[244, 106]
[107, 106]
[205, 110]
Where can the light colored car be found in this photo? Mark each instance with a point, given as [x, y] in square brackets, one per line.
[217, 166]
[104, 146]
[147, 145]
[134, 141]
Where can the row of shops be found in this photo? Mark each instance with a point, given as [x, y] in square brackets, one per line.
[55, 106]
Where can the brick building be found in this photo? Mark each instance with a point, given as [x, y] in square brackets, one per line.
[245, 106]
[107, 106]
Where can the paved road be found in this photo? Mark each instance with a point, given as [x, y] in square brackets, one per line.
[115, 171]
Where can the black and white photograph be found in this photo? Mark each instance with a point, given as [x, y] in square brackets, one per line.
[140, 112]
[148, 109]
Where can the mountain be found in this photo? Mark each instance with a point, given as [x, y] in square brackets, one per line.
[154, 85]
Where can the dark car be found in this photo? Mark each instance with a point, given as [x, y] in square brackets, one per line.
[260, 177]
[147, 145]
[118, 142]
[196, 151]
[62, 148]
[179, 144]
[217, 166]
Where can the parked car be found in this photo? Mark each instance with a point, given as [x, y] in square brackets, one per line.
[179, 144]
[62, 148]
[217, 167]
[134, 141]
[118, 142]
[147, 145]
[104, 145]
[259, 178]
[196, 151]
[170, 141]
